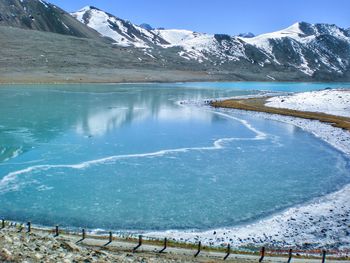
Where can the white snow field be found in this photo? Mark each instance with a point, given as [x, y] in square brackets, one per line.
[332, 101]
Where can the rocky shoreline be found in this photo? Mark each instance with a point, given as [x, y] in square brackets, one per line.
[18, 245]
[39, 246]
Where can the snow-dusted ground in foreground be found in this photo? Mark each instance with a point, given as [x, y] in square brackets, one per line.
[335, 102]
[321, 223]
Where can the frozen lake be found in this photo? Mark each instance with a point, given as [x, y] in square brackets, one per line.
[130, 157]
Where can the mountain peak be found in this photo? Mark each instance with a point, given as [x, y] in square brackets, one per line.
[146, 26]
[123, 32]
[246, 35]
[301, 23]
[94, 7]
[88, 8]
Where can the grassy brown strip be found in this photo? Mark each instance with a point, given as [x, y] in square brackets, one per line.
[258, 104]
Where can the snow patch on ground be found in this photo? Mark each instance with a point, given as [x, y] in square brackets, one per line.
[335, 102]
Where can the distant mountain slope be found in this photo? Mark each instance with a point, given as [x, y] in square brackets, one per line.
[316, 51]
[31, 56]
[43, 16]
[301, 52]
[310, 48]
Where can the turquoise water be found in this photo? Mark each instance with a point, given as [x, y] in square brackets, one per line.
[129, 157]
[266, 86]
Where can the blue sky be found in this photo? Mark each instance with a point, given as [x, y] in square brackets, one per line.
[222, 16]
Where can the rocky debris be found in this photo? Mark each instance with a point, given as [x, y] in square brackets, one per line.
[43, 247]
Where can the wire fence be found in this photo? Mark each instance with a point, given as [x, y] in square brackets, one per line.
[165, 244]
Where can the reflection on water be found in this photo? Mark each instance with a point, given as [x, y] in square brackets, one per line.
[98, 123]
[44, 113]
[103, 121]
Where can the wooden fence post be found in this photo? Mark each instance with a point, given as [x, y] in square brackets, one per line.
[83, 236]
[56, 231]
[110, 239]
[139, 245]
[165, 245]
[290, 255]
[262, 254]
[324, 253]
[199, 249]
[228, 252]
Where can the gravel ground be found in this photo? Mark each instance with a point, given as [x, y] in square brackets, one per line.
[42, 246]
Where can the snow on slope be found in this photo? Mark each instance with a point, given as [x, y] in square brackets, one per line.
[313, 49]
[195, 46]
[302, 37]
[193, 43]
[335, 102]
[122, 32]
[177, 36]
[99, 22]
[264, 42]
[202, 46]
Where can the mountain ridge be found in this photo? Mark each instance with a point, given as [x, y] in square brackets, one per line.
[313, 49]
[301, 52]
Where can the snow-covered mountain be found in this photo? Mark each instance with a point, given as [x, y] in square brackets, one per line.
[310, 49]
[123, 32]
[301, 52]
[189, 45]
